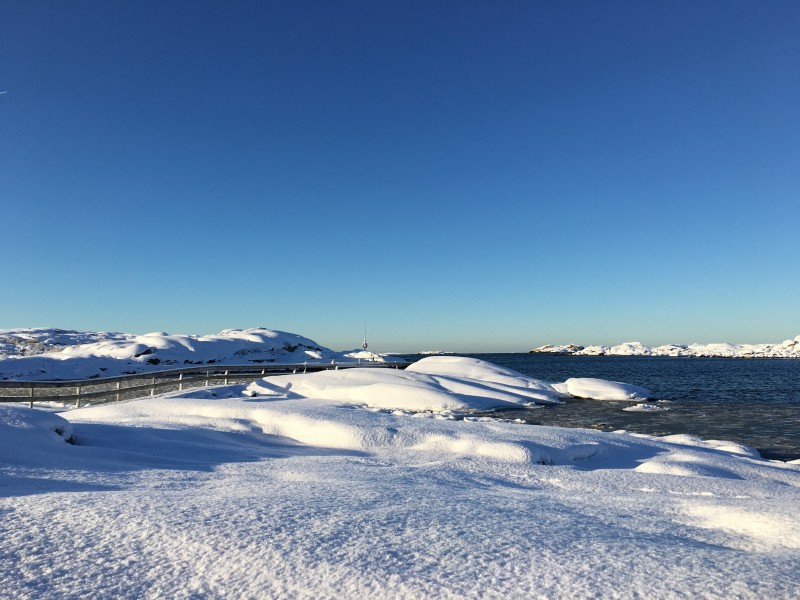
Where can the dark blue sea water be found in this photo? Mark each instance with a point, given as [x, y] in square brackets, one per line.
[755, 402]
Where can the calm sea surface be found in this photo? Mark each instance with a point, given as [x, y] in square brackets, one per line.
[755, 402]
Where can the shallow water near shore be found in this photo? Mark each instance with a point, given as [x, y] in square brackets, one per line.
[755, 402]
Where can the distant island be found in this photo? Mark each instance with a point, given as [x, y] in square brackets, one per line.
[786, 349]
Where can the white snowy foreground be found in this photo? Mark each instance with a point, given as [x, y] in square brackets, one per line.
[785, 349]
[363, 484]
[34, 354]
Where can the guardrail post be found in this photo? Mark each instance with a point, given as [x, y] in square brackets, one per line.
[180, 384]
[118, 386]
[208, 374]
[31, 396]
[153, 388]
[226, 376]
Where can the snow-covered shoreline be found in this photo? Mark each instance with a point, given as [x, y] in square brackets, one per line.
[363, 484]
[786, 349]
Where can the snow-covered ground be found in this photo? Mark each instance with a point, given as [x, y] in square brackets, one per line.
[786, 349]
[42, 354]
[366, 484]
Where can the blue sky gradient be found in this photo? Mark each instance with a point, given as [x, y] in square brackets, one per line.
[468, 176]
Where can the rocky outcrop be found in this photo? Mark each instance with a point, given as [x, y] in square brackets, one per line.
[787, 349]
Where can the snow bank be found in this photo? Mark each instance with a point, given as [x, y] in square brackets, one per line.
[787, 349]
[299, 486]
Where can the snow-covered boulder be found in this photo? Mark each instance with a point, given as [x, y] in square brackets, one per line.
[600, 389]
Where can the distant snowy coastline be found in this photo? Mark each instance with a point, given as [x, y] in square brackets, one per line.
[56, 354]
[786, 349]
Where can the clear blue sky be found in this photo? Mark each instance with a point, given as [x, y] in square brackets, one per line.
[468, 176]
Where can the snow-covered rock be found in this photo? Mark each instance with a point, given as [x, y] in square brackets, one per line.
[787, 349]
[600, 389]
[630, 349]
[557, 349]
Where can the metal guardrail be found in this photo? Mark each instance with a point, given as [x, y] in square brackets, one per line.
[138, 385]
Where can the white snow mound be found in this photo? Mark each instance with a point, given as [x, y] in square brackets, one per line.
[600, 389]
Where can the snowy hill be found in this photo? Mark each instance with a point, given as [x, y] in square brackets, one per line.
[366, 484]
[42, 354]
[786, 349]
[38, 340]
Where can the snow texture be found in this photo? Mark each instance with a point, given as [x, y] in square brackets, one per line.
[366, 485]
[786, 349]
